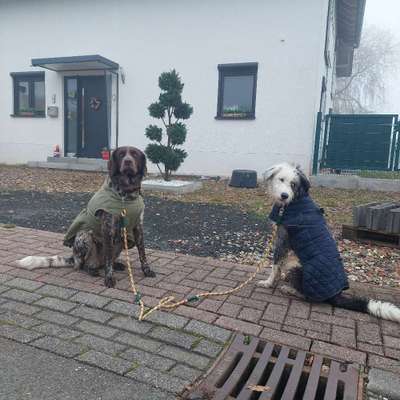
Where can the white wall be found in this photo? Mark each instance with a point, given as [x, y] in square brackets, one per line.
[285, 37]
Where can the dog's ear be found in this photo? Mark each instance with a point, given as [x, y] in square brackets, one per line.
[271, 172]
[143, 165]
[113, 166]
[304, 181]
[99, 213]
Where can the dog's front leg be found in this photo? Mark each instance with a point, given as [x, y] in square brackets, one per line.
[139, 240]
[111, 236]
[281, 250]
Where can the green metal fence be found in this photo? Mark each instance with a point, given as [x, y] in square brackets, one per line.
[348, 143]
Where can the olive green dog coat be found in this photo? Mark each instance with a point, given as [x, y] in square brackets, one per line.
[111, 201]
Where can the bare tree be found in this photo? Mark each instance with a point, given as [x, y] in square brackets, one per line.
[374, 61]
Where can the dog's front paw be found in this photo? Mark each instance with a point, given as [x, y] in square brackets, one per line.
[266, 284]
[109, 281]
[148, 273]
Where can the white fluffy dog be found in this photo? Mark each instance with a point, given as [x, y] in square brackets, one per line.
[301, 227]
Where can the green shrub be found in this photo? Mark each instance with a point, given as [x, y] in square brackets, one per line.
[170, 110]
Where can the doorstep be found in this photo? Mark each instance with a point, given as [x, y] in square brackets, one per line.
[71, 163]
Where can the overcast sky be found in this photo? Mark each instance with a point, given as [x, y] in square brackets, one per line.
[385, 14]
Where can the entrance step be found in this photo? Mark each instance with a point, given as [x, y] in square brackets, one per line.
[69, 163]
[77, 160]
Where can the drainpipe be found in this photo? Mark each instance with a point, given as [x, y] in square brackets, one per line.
[116, 111]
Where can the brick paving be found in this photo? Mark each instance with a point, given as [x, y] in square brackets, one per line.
[73, 314]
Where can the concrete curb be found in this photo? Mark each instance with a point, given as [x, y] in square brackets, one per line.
[383, 383]
[356, 182]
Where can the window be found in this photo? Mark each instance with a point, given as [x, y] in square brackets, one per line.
[29, 94]
[237, 91]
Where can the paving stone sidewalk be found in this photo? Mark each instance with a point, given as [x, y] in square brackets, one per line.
[73, 314]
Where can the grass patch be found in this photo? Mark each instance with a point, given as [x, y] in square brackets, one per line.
[196, 343]
[7, 226]
[337, 203]
[133, 366]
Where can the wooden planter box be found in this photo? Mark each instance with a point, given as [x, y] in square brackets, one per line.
[377, 223]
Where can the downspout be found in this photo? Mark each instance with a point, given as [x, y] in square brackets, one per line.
[116, 110]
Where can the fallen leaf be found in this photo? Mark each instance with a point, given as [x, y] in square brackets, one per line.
[259, 388]
[309, 360]
[325, 369]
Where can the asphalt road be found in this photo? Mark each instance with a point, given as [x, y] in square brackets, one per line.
[27, 373]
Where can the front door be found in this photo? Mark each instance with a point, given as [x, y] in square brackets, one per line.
[85, 116]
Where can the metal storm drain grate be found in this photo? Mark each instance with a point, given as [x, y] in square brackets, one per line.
[253, 369]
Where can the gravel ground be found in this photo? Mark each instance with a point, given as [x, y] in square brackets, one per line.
[198, 229]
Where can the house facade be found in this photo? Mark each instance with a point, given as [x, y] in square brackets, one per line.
[81, 75]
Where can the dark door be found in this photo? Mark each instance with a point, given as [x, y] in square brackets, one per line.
[86, 116]
[94, 116]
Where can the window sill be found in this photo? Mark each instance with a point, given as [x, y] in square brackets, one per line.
[249, 117]
[27, 116]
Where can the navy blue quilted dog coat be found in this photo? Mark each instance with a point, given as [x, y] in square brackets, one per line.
[310, 239]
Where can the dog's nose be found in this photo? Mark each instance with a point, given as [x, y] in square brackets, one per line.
[284, 196]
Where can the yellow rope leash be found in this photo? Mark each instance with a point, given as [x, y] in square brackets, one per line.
[169, 302]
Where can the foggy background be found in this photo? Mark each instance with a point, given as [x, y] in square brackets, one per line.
[386, 15]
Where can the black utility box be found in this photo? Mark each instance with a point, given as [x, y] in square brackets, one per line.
[243, 178]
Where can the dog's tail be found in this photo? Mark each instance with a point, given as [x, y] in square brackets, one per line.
[35, 262]
[380, 309]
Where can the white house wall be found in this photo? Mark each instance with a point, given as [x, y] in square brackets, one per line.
[285, 37]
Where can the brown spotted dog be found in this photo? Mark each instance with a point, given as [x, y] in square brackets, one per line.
[96, 234]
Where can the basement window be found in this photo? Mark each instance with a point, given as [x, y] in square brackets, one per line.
[29, 94]
[237, 91]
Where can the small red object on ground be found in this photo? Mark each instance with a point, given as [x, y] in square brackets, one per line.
[105, 154]
[56, 151]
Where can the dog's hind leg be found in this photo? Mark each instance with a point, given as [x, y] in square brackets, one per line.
[139, 240]
[293, 283]
[85, 253]
[281, 250]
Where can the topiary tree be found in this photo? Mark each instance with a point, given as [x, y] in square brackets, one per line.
[170, 109]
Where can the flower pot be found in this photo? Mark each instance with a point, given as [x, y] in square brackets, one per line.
[105, 154]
